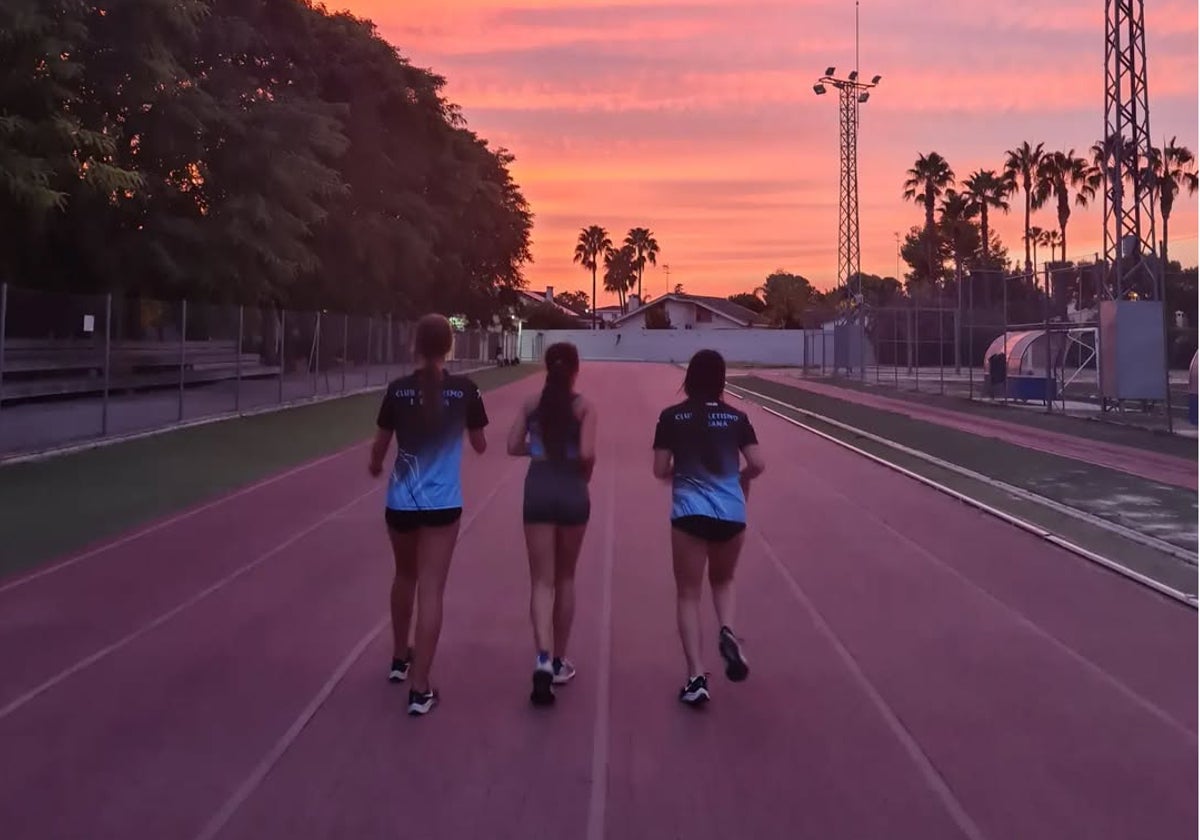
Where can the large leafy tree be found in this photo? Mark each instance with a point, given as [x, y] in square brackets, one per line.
[787, 297]
[1021, 168]
[254, 150]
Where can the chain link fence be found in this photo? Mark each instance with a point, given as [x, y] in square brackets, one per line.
[75, 368]
[1028, 340]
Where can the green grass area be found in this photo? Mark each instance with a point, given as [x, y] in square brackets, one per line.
[59, 505]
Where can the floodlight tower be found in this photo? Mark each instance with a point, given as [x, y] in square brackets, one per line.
[852, 93]
[1130, 246]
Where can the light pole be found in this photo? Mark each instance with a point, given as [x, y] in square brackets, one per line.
[852, 92]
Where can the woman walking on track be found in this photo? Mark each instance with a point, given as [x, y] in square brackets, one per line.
[557, 430]
[427, 412]
[696, 446]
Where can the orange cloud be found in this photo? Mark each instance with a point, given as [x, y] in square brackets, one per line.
[698, 119]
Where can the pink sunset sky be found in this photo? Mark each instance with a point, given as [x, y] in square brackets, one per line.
[697, 118]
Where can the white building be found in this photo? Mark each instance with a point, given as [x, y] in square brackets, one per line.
[691, 312]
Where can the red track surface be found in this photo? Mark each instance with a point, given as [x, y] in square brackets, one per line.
[919, 671]
[1155, 466]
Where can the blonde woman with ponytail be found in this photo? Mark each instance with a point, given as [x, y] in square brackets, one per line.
[427, 412]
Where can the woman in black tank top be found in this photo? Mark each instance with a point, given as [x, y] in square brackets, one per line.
[557, 431]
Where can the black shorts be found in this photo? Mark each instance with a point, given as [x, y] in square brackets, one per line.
[556, 493]
[407, 521]
[708, 528]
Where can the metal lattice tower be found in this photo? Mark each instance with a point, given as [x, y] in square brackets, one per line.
[1130, 245]
[848, 238]
[851, 94]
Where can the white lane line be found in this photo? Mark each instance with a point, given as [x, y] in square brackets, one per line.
[250, 784]
[1038, 531]
[932, 777]
[598, 800]
[176, 519]
[170, 614]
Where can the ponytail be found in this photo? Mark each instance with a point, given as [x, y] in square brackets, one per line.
[556, 409]
[704, 383]
[433, 341]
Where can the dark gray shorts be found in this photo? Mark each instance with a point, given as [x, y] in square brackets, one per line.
[556, 494]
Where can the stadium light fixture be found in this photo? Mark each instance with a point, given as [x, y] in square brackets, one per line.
[829, 71]
[819, 89]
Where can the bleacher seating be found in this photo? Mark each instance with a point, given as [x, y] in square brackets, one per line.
[41, 368]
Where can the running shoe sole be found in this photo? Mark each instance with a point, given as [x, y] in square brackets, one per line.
[424, 707]
[736, 668]
[543, 693]
[398, 676]
[696, 698]
[564, 677]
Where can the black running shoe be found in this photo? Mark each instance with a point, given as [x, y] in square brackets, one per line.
[695, 693]
[543, 682]
[731, 651]
[421, 702]
[399, 671]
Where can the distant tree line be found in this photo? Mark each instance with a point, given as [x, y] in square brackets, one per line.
[259, 151]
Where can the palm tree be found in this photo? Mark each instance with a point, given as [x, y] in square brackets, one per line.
[1021, 168]
[645, 248]
[1052, 239]
[929, 177]
[1168, 170]
[619, 271]
[986, 189]
[593, 241]
[1034, 237]
[1063, 175]
[961, 235]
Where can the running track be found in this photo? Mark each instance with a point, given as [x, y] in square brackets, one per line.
[1155, 466]
[919, 671]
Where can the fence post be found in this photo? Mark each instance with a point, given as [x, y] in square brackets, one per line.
[237, 387]
[345, 348]
[182, 353]
[896, 349]
[107, 364]
[3, 335]
[942, 350]
[917, 346]
[282, 350]
[971, 340]
[370, 353]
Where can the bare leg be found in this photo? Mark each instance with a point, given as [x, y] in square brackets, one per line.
[722, 562]
[435, 549]
[568, 541]
[689, 555]
[539, 541]
[404, 589]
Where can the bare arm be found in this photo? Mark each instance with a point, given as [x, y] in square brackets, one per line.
[587, 440]
[664, 467]
[518, 440]
[379, 448]
[478, 440]
[754, 466]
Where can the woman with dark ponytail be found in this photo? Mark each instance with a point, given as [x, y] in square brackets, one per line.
[696, 446]
[557, 430]
[427, 413]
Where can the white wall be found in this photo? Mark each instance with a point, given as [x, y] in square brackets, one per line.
[769, 347]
